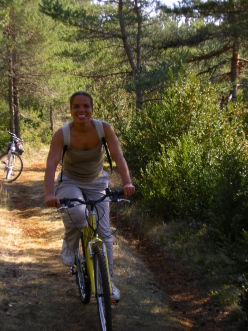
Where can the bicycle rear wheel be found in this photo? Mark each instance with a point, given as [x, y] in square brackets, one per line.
[10, 167]
[102, 290]
[82, 279]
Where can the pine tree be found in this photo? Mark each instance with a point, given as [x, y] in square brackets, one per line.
[22, 63]
[118, 36]
[216, 31]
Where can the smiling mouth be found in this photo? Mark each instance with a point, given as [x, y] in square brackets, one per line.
[81, 116]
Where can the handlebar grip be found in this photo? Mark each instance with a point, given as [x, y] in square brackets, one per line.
[119, 192]
[115, 193]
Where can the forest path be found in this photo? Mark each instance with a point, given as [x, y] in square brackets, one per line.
[39, 294]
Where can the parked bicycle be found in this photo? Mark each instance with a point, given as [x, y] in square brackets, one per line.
[11, 164]
[91, 261]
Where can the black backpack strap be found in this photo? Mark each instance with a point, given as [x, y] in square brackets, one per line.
[107, 152]
[62, 158]
[101, 135]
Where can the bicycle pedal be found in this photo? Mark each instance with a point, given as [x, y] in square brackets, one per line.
[114, 301]
[72, 271]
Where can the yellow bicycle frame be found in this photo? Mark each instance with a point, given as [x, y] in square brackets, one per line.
[90, 241]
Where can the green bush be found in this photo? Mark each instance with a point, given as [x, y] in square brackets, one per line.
[164, 123]
[4, 125]
[4, 139]
[192, 180]
[35, 127]
[190, 159]
[243, 302]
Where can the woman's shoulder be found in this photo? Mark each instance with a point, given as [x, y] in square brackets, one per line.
[108, 130]
[102, 127]
[63, 128]
[58, 133]
[106, 125]
[57, 138]
[63, 134]
[101, 121]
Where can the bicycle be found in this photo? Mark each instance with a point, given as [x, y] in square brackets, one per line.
[11, 164]
[91, 261]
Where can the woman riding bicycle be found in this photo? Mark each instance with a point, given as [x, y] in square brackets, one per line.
[83, 173]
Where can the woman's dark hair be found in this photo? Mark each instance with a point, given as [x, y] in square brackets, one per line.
[81, 93]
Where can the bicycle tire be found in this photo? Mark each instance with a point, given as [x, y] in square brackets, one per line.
[9, 174]
[102, 290]
[82, 279]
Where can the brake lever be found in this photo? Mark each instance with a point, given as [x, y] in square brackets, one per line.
[66, 206]
[61, 208]
[119, 200]
[125, 200]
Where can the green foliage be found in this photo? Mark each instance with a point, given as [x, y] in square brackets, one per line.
[40, 75]
[190, 159]
[112, 40]
[4, 139]
[215, 35]
[113, 106]
[4, 125]
[243, 302]
[34, 127]
[163, 123]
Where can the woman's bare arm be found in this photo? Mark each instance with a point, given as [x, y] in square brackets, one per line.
[53, 159]
[117, 154]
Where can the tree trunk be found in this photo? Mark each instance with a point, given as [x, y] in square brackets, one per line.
[139, 98]
[136, 67]
[11, 88]
[11, 95]
[51, 120]
[17, 109]
[139, 91]
[234, 71]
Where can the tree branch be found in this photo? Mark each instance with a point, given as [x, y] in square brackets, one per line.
[209, 55]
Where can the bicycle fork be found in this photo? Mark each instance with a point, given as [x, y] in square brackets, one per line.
[9, 165]
[89, 252]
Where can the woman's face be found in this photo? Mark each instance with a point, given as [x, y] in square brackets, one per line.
[81, 109]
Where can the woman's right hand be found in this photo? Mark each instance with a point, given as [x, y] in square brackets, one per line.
[52, 201]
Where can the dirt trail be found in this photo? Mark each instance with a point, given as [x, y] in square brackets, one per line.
[38, 293]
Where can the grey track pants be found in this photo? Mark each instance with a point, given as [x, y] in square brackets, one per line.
[74, 219]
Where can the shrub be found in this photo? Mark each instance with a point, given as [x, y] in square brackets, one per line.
[162, 124]
[192, 159]
[4, 125]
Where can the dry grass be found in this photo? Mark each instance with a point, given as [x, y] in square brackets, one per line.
[36, 290]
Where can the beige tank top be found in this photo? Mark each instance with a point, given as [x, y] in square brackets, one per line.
[83, 166]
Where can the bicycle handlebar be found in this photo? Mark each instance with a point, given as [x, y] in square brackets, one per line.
[114, 194]
[15, 138]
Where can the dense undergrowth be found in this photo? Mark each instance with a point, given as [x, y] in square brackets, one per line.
[190, 162]
[190, 242]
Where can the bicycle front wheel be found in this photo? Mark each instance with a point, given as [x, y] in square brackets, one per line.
[102, 290]
[10, 167]
[82, 279]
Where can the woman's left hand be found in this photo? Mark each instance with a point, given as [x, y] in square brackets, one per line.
[128, 189]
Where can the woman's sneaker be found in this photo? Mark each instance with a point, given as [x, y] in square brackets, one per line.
[67, 255]
[115, 295]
